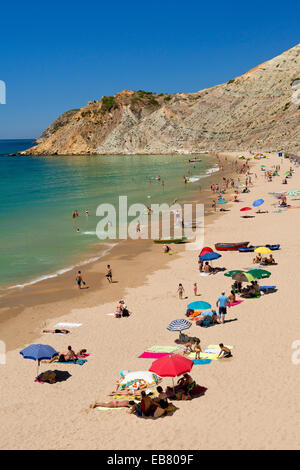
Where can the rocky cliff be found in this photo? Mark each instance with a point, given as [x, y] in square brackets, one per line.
[258, 110]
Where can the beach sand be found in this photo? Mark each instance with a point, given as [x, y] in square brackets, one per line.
[252, 400]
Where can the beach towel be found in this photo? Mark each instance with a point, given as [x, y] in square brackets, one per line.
[104, 408]
[110, 314]
[83, 356]
[80, 362]
[153, 355]
[201, 361]
[203, 355]
[68, 325]
[237, 302]
[166, 349]
[204, 274]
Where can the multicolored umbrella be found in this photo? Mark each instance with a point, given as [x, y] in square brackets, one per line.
[199, 305]
[294, 192]
[262, 250]
[243, 277]
[205, 250]
[179, 325]
[234, 271]
[259, 273]
[210, 256]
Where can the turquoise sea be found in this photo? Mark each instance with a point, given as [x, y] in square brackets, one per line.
[39, 237]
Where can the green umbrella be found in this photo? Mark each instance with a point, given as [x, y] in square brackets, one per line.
[233, 272]
[243, 277]
[259, 273]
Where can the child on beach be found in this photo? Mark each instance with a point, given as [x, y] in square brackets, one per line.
[225, 352]
[197, 349]
[180, 291]
[195, 288]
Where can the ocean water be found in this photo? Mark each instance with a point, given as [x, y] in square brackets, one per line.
[39, 237]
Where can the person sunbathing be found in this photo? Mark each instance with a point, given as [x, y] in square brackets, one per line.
[148, 406]
[61, 331]
[269, 260]
[161, 398]
[212, 317]
[186, 383]
[232, 297]
[65, 357]
[257, 259]
[113, 404]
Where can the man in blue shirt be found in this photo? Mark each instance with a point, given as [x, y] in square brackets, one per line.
[222, 303]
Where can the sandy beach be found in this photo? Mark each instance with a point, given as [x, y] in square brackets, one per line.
[252, 400]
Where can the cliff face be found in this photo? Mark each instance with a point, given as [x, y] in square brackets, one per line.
[258, 110]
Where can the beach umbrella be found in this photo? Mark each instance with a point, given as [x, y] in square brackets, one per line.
[258, 202]
[259, 273]
[138, 379]
[205, 250]
[210, 256]
[171, 366]
[293, 192]
[222, 201]
[199, 305]
[263, 250]
[243, 277]
[240, 185]
[179, 325]
[38, 352]
[234, 271]
[245, 209]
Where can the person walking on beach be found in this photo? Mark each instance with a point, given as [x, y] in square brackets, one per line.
[108, 275]
[195, 288]
[214, 205]
[79, 280]
[180, 291]
[222, 303]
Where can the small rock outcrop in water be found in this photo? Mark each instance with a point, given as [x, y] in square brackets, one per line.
[260, 109]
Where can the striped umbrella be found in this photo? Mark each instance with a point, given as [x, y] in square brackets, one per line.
[179, 325]
[294, 192]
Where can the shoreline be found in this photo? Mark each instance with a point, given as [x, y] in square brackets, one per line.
[20, 303]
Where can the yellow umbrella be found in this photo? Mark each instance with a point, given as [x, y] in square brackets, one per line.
[262, 249]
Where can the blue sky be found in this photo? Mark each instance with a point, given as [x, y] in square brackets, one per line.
[60, 55]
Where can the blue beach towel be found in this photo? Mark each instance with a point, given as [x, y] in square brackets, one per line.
[80, 362]
[201, 361]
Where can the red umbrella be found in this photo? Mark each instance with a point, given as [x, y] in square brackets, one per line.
[205, 250]
[171, 366]
[246, 209]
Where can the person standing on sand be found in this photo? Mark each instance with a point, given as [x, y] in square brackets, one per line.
[180, 291]
[222, 303]
[214, 205]
[108, 275]
[195, 288]
[79, 280]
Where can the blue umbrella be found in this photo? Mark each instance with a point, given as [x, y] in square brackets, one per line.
[222, 201]
[258, 202]
[38, 352]
[199, 305]
[179, 325]
[210, 256]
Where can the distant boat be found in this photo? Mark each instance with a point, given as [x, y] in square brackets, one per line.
[231, 246]
[170, 240]
[194, 160]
